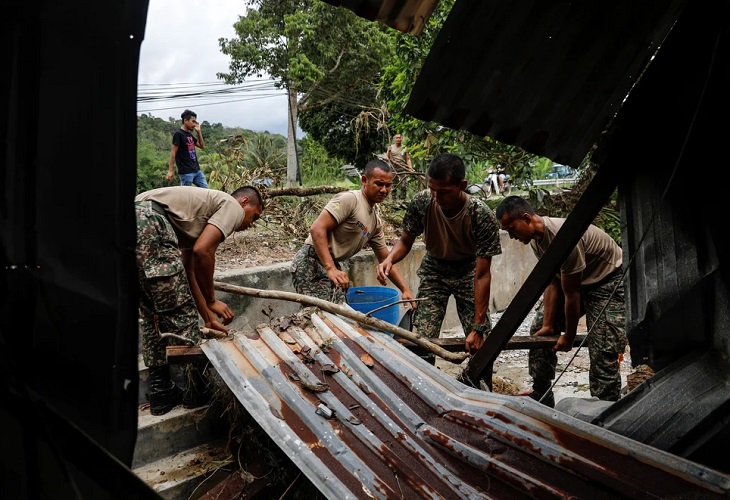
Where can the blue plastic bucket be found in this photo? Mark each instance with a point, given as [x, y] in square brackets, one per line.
[366, 298]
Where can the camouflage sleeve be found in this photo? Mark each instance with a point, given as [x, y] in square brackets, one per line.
[486, 229]
[416, 213]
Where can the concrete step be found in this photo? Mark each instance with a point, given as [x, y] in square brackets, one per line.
[178, 430]
[190, 473]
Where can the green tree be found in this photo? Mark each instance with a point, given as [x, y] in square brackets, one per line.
[426, 139]
[151, 166]
[249, 160]
[319, 53]
[345, 131]
[317, 166]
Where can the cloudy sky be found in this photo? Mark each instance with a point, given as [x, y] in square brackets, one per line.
[179, 60]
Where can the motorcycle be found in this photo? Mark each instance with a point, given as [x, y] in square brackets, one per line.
[491, 183]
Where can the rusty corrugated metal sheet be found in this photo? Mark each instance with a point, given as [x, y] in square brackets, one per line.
[408, 16]
[402, 428]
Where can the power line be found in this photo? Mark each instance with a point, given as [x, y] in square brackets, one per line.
[198, 105]
[171, 92]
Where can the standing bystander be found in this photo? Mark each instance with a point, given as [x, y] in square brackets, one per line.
[183, 152]
[400, 158]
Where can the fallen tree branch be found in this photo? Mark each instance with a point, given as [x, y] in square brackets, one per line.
[346, 312]
[206, 332]
[304, 191]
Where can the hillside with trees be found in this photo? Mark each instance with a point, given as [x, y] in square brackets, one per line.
[348, 81]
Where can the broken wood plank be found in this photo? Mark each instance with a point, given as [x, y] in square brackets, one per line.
[181, 354]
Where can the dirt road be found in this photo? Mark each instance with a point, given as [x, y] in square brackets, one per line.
[510, 368]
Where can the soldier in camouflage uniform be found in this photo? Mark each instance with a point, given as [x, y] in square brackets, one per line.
[346, 224]
[590, 282]
[461, 236]
[164, 293]
[178, 230]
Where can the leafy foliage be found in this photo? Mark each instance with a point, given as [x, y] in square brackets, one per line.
[318, 168]
[255, 161]
[427, 139]
[328, 55]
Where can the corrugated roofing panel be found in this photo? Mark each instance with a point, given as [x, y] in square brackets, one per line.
[546, 75]
[363, 417]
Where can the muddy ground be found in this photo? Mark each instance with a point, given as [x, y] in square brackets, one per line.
[510, 374]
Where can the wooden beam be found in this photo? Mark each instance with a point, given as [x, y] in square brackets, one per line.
[456, 344]
[182, 354]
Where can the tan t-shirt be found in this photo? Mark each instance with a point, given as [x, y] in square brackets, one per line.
[399, 155]
[596, 254]
[471, 233]
[442, 232]
[190, 208]
[357, 224]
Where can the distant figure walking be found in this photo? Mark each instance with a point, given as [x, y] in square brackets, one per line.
[183, 152]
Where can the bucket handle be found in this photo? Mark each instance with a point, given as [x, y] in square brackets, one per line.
[369, 313]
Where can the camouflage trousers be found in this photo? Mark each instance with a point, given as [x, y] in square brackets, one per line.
[309, 276]
[164, 292]
[606, 339]
[440, 280]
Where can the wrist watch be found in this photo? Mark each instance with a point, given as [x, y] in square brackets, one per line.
[482, 328]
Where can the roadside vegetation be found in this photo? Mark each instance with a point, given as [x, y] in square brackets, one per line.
[350, 80]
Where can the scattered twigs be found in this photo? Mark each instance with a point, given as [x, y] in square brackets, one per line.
[206, 332]
[346, 312]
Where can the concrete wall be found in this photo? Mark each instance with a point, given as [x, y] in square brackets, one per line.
[509, 271]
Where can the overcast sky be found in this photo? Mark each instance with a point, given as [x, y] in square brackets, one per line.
[180, 55]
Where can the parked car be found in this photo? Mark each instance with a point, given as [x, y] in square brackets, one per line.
[560, 172]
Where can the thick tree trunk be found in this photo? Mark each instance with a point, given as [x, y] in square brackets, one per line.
[292, 163]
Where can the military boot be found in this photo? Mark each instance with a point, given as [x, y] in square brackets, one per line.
[164, 394]
[542, 393]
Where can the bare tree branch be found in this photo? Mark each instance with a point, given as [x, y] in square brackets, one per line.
[304, 191]
[303, 101]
